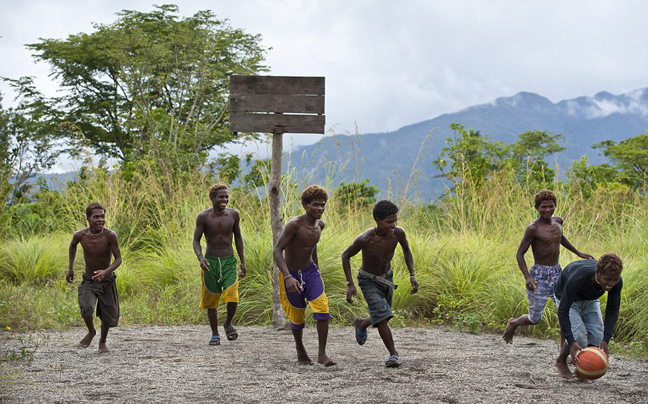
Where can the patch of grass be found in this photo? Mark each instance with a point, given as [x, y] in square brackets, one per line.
[464, 253]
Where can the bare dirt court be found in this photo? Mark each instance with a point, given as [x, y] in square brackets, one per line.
[175, 364]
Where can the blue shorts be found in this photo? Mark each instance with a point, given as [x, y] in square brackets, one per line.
[546, 276]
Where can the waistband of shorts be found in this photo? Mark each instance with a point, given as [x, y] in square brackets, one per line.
[378, 278]
[556, 266]
[112, 277]
[227, 257]
[311, 267]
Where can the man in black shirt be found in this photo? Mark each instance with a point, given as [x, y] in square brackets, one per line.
[581, 322]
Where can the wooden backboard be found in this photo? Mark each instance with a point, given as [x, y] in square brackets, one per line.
[273, 104]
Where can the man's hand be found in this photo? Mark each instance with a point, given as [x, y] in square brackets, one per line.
[99, 275]
[351, 292]
[243, 271]
[574, 349]
[531, 284]
[70, 275]
[204, 264]
[292, 285]
[605, 348]
[415, 284]
[585, 256]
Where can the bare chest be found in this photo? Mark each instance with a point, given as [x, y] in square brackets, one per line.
[215, 225]
[308, 235]
[95, 244]
[549, 234]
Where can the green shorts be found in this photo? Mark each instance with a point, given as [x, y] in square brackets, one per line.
[220, 280]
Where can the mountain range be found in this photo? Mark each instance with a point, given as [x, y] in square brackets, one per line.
[399, 160]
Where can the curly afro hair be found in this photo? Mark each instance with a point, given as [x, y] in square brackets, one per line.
[610, 263]
[93, 206]
[383, 209]
[213, 190]
[545, 195]
[313, 192]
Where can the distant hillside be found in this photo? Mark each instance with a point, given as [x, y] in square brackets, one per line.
[387, 159]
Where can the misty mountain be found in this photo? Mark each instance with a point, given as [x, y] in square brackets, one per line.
[388, 159]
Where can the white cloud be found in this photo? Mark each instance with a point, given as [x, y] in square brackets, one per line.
[391, 64]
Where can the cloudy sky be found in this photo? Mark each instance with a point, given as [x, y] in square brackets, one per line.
[393, 63]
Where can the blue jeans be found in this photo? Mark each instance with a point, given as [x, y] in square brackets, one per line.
[586, 322]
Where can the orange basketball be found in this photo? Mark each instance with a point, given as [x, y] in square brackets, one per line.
[593, 363]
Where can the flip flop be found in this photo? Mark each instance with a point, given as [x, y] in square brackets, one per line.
[393, 361]
[230, 333]
[361, 336]
[215, 340]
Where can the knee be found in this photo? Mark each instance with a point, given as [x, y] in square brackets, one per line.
[581, 336]
[595, 336]
[534, 318]
[87, 310]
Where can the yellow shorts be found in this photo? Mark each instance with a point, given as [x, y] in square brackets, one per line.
[221, 281]
[294, 305]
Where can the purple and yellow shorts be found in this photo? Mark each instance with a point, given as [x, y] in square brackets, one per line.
[294, 305]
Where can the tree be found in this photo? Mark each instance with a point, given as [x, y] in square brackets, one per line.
[356, 194]
[26, 148]
[151, 85]
[528, 157]
[468, 158]
[630, 157]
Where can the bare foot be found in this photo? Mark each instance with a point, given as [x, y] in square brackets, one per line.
[85, 342]
[325, 360]
[509, 331]
[103, 348]
[303, 358]
[563, 369]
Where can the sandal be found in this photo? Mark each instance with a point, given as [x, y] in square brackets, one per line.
[361, 336]
[215, 340]
[230, 333]
[393, 361]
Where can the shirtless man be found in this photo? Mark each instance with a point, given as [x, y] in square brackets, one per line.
[299, 278]
[98, 286]
[545, 236]
[219, 224]
[376, 277]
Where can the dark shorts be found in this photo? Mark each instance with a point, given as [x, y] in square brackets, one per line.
[103, 295]
[378, 297]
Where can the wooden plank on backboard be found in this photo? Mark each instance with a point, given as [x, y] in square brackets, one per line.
[277, 103]
[270, 123]
[276, 85]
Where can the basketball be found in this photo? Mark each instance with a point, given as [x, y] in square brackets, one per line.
[593, 363]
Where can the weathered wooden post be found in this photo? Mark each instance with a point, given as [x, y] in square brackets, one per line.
[277, 105]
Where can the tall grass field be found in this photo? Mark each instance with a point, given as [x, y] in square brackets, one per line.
[464, 253]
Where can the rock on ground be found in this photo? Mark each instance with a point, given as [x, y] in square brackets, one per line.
[175, 364]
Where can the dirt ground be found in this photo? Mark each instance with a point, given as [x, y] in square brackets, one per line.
[175, 364]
